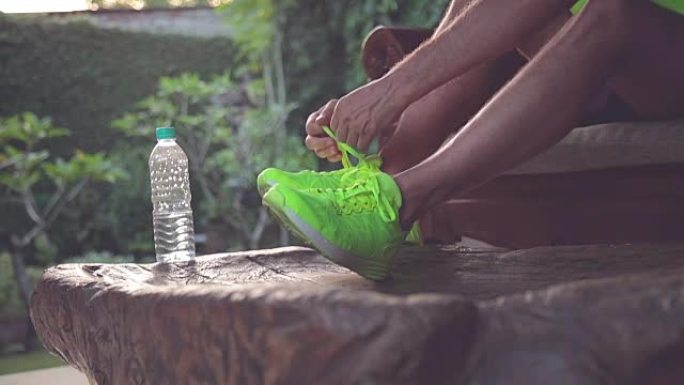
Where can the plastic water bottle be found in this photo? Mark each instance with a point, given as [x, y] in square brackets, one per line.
[172, 214]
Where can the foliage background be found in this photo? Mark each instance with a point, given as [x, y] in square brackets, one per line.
[83, 77]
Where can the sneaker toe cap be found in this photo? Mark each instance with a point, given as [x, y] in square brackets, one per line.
[274, 198]
[267, 179]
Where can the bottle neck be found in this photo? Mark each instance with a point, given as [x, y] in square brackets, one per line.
[166, 140]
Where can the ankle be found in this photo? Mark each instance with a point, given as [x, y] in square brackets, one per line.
[409, 210]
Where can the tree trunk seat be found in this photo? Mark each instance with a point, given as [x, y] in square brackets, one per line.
[562, 315]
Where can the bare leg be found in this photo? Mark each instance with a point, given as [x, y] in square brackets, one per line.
[536, 109]
[425, 125]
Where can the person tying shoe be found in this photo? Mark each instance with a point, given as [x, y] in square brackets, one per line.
[578, 56]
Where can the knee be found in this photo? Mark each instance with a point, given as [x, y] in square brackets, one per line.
[612, 18]
[456, 7]
[610, 13]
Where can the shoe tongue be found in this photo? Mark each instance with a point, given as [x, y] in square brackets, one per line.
[389, 189]
[373, 161]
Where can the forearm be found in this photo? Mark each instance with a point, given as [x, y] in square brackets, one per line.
[484, 31]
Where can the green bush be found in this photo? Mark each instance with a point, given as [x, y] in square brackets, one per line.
[83, 76]
[10, 301]
[100, 257]
[229, 134]
[323, 39]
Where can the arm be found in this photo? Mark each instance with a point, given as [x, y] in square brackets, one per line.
[484, 31]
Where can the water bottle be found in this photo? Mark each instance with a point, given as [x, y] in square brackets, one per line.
[172, 214]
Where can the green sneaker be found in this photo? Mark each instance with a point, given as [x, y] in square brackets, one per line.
[346, 176]
[326, 179]
[415, 235]
[355, 226]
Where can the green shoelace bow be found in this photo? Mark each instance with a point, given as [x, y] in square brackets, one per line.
[364, 194]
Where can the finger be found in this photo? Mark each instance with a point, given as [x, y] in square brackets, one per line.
[364, 142]
[334, 158]
[316, 143]
[334, 150]
[325, 113]
[338, 127]
[313, 128]
[327, 152]
[353, 138]
[321, 154]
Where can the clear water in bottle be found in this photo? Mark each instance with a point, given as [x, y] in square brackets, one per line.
[172, 214]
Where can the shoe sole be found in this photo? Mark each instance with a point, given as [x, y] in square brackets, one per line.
[286, 223]
[297, 226]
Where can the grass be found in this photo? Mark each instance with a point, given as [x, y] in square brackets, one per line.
[21, 362]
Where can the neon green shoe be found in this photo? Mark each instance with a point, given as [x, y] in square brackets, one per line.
[326, 179]
[348, 175]
[415, 235]
[355, 226]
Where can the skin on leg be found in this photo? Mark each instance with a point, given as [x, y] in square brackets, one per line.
[425, 125]
[456, 7]
[535, 110]
[651, 80]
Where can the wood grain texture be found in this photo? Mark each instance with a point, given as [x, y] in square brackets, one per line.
[562, 315]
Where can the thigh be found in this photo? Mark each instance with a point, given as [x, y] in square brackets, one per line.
[606, 106]
[651, 76]
[649, 81]
[456, 7]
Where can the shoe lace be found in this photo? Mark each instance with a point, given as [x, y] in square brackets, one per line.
[372, 162]
[364, 194]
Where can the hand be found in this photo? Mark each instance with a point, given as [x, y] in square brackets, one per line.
[316, 139]
[365, 113]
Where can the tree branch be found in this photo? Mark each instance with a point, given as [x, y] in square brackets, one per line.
[259, 228]
[53, 200]
[67, 198]
[30, 206]
[22, 279]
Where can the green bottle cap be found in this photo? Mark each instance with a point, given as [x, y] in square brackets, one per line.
[166, 133]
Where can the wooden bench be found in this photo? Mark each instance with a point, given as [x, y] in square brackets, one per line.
[584, 315]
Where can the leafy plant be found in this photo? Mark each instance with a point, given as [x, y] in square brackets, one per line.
[229, 134]
[139, 4]
[41, 186]
[100, 257]
[11, 303]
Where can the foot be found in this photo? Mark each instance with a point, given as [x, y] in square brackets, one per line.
[355, 226]
[314, 179]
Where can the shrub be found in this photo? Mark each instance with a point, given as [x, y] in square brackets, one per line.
[229, 135]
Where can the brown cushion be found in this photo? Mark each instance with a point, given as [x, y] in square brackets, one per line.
[611, 145]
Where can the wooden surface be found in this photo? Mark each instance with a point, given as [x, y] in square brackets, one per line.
[561, 315]
[624, 205]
